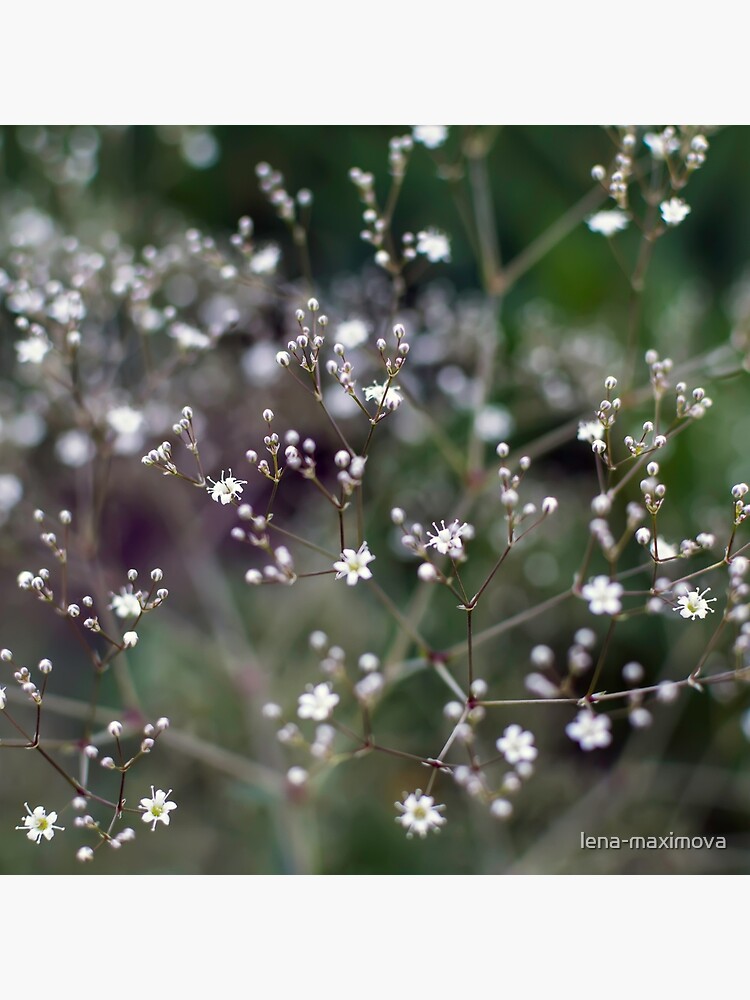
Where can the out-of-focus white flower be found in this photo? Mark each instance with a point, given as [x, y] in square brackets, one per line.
[430, 136]
[317, 702]
[517, 745]
[33, 350]
[419, 814]
[603, 595]
[434, 245]
[590, 731]
[674, 211]
[608, 222]
[352, 333]
[266, 259]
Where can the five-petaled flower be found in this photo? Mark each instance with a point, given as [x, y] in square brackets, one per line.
[38, 824]
[353, 565]
[434, 245]
[516, 745]
[603, 595]
[674, 211]
[448, 541]
[589, 730]
[386, 398]
[226, 489]
[419, 814]
[126, 604]
[317, 702]
[695, 604]
[157, 809]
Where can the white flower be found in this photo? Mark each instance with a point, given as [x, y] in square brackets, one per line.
[664, 548]
[38, 824]
[661, 145]
[447, 541]
[674, 211]
[125, 420]
[389, 399]
[603, 596]
[517, 745]
[157, 809]
[434, 245]
[317, 702]
[419, 814]
[352, 333]
[431, 136]
[33, 350]
[265, 260]
[608, 223]
[226, 489]
[74, 448]
[353, 565]
[126, 604]
[188, 338]
[590, 430]
[130, 639]
[11, 491]
[2, 699]
[590, 731]
[694, 605]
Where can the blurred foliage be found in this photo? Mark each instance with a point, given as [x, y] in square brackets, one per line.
[218, 650]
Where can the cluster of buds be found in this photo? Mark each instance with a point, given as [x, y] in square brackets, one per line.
[351, 471]
[741, 509]
[22, 677]
[653, 491]
[659, 372]
[615, 180]
[608, 410]
[306, 347]
[694, 405]
[272, 186]
[161, 459]
[646, 442]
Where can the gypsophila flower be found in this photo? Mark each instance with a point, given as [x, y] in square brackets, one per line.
[419, 814]
[434, 245]
[226, 489]
[517, 745]
[33, 350]
[590, 430]
[387, 399]
[661, 144]
[447, 541]
[157, 809]
[590, 731]
[695, 604]
[674, 211]
[352, 333]
[431, 136]
[608, 223]
[38, 824]
[353, 565]
[317, 702]
[126, 604]
[603, 595]
[2, 699]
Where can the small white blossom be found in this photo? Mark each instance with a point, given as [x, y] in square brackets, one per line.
[387, 399]
[419, 814]
[603, 596]
[317, 702]
[431, 136]
[157, 809]
[590, 430]
[434, 245]
[674, 211]
[590, 731]
[188, 338]
[126, 604]
[33, 350]
[447, 541]
[352, 333]
[129, 639]
[265, 260]
[2, 699]
[517, 745]
[695, 604]
[608, 223]
[38, 824]
[661, 144]
[353, 565]
[226, 489]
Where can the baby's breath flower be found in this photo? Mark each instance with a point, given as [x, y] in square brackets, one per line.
[517, 745]
[434, 245]
[38, 824]
[126, 604]
[157, 809]
[447, 541]
[695, 604]
[419, 814]
[317, 702]
[674, 211]
[608, 223]
[603, 596]
[590, 731]
[353, 565]
[387, 398]
[590, 430]
[226, 489]
[430, 136]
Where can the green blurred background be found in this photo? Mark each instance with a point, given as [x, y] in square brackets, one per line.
[219, 649]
